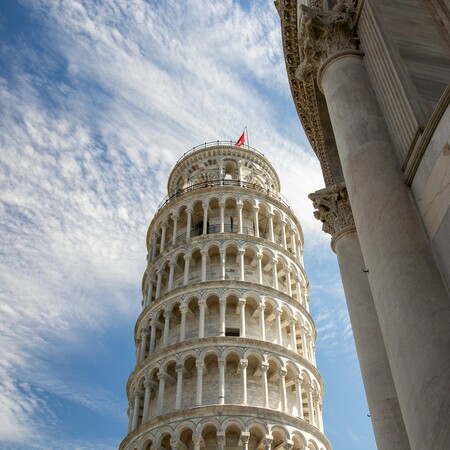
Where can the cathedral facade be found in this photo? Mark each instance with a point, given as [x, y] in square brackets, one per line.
[370, 81]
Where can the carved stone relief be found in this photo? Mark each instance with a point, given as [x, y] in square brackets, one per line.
[333, 208]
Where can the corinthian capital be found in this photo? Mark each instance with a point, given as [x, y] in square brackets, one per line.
[324, 33]
[333, 208]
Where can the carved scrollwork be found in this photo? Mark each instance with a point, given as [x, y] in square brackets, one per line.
[333, 208]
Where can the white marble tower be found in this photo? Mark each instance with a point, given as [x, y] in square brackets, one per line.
[225, 342]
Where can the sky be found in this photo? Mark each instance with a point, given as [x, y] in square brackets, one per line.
[98, 100]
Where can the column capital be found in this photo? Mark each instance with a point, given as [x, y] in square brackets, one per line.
[333, 208]
[180, 369]
[187, 257]
[283, 372]
[323, 34]
[264, 367]
[242, 301]
[221, 438]
[172, 264]
[245, 436]
[243, 363]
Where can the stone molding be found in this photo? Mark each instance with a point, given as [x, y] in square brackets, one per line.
[246, 414]
[333, 208]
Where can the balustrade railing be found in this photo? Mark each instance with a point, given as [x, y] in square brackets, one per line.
[223, 182]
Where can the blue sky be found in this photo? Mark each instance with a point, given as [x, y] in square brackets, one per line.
[98, 101]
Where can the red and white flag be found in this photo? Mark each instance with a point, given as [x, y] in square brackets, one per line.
[240, 142]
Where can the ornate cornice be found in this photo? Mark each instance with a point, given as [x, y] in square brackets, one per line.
[333, 208]
[299, 35]
[303, 92]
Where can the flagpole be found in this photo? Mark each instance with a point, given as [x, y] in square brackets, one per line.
[246, 132]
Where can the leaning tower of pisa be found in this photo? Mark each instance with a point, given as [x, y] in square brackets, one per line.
[225, 342]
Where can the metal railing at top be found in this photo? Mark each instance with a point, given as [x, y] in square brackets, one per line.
[218, 143]
[223, 182]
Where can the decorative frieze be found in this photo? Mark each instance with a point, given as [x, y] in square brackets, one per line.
[333, 208]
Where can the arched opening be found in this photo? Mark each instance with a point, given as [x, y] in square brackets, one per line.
[213, 271]
[212, 316]
[233, 385]
[231, 221]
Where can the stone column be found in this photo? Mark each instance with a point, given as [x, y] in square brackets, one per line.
[294, 242]
[239, 207]
[271, 234]
[175, 229]
[167, 315]
[221, 362]
[304, 344]
[288, 281]
[187, 259]
[137, 404]
[264, 369]
[220, 440]
[204, 253]
[222, 264]
[245, 437]
[144, 336]
[163, 237]
[172, 265]
[298, 388]
[278, 313]
[283, 395]
[152, 336]
[178, 397]
[262, 327]
[188, 223]
[411, 299]
[147, 397]
[222, 216]
[242, 314]
[201, 318]
[259, 257]
[241, 253]
[200, 366]
[222, 310]
[205, 218]
[292, 323]
[267, 441]
[196, 439]
[298, 288]
[243, 363]
[183, 311]
[334, 211]
[283, 234]
[158, 283]
[161, 389]
[154, 245]
[256, 220]
[130, 415]
[310, 404]
[275, 274]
